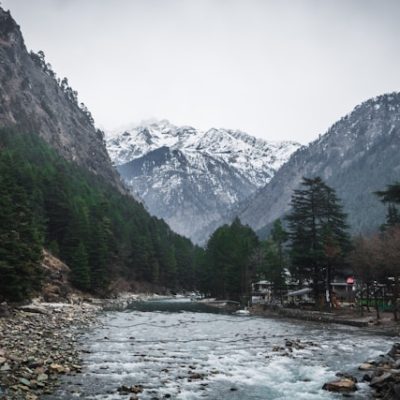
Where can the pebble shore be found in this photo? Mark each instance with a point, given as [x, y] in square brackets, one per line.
[37, 344]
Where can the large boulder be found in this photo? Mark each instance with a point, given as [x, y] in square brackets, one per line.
[343, 385]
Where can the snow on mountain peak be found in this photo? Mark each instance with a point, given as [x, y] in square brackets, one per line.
[255, 158]
[191, 177]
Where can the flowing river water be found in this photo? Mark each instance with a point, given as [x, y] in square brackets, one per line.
[179, 349]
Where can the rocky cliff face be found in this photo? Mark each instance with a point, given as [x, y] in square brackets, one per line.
[357, 156]
[32, 98]
[190, 177]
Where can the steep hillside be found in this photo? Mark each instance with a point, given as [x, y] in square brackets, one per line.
[357, 156]
[32, 97]
[190, 177]
[59, 190]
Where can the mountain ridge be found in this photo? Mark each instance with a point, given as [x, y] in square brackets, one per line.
[356, 156]
[200, 173]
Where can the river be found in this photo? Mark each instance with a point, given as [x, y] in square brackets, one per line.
[179, 349]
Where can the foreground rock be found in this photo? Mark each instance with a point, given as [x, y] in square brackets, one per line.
[343, 385]
[384, 374]
[37, 344]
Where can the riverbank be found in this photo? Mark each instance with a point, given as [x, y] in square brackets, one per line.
[368, 322]
[39, 341]
[37, 344]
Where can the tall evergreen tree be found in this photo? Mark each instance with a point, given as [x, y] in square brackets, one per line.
[391, 196]
[392, 216]
[229, 261]
[318, 234]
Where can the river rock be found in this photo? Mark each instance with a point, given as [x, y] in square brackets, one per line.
[365, 367]
[59, 369]
[25, 382]
[37, 346]
[131, 389]
[42, 377]
[341, 385]
[32, 308]
[395, 351]
[378, 381]
[4, 368]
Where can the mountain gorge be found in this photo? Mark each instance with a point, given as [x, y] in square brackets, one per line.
[190, 177]
[59, 191]
[357, 156]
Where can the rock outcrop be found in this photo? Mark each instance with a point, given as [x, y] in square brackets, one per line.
[35, 101]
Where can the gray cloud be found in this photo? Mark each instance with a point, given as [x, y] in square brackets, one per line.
[280, 69]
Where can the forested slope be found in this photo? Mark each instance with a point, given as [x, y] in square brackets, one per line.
[98, 231]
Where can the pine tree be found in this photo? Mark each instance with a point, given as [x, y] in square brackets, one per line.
[391, 194]
[229, 261]
[392, 216]
[318, 234]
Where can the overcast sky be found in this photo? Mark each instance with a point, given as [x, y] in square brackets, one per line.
[278, 69]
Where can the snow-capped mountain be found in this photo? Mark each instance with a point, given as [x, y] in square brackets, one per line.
[190, 177]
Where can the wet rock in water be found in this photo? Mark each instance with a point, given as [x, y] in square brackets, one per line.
[130, 389]
[341, 385]
[379, 381]
[367, 377]
[365, 366]
[384, 374]
[195, 375]
[344, 375]
[395, 351]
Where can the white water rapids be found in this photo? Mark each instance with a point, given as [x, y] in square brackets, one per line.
[179, 350]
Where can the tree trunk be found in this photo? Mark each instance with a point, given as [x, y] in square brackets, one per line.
[395, 297]
[378, 316]
[368, 297]
[328, 283]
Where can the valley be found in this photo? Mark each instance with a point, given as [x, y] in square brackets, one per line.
[166, 260]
